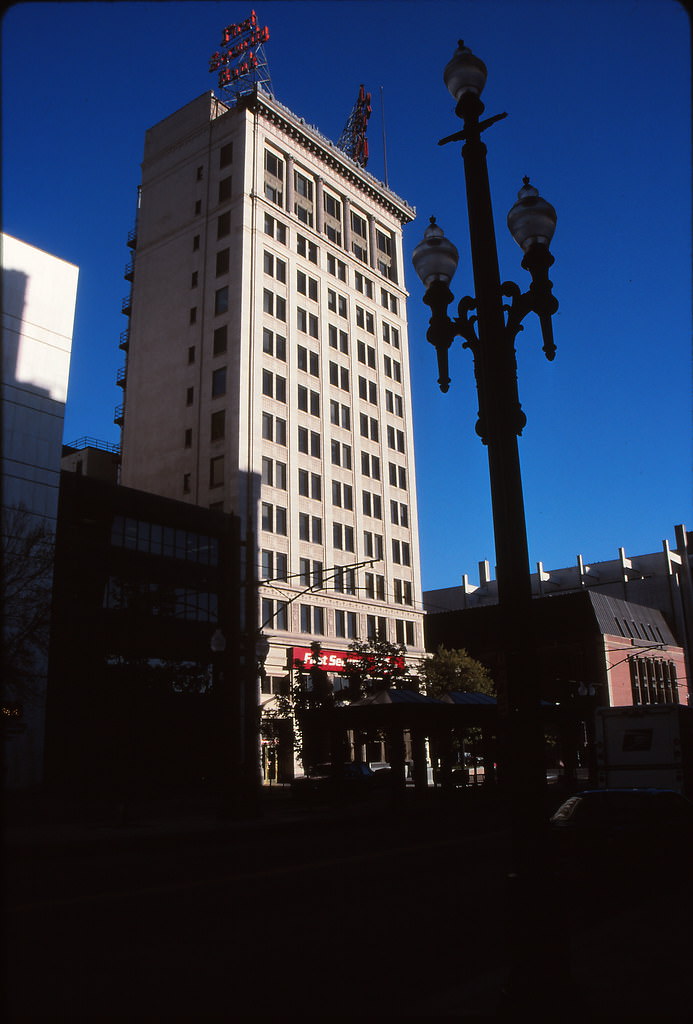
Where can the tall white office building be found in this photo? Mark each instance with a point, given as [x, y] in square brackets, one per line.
[39, 295]
[267, 366]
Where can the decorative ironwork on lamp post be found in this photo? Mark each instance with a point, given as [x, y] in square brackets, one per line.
[489, 326]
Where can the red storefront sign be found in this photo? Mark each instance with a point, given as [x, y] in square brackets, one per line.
[330, 661]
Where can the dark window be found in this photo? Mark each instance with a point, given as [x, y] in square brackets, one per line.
[219, 382]
[222, 262]
[216, 471]
[219, 340]
[218, 425]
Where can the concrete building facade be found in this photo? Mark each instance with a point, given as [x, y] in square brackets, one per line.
[660, 580]
[267, 368]
[39, 295]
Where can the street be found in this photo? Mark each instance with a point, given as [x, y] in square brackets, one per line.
[357, 914]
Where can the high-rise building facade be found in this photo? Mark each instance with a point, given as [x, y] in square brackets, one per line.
[267, 367]
[39, 296]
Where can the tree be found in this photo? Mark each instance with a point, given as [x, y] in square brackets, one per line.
[308, 691]
[453, 670]
[374, 665]
[28, 548]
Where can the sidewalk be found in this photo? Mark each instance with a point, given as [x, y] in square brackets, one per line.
[42, 821]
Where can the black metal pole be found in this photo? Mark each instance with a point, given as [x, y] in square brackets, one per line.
[532, 965]
[501, 420]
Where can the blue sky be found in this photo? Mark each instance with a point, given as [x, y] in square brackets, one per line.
[598, 100]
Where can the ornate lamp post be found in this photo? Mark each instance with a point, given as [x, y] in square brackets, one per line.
[490, 334]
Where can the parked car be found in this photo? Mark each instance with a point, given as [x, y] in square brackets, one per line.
[356, 778]
[616, 830]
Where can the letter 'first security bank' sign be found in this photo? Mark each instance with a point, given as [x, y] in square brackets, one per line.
[329, 661]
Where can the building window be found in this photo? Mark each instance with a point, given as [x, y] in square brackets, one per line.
[275, 229]
[339, 376]
[365, 320]
[274, 178]
[307, 285]
[219, 382]
[307, 323]
[226, 155]
[341, 454]
[366, 354]
[222, 266]
[363, 285]
[307, 249]
[217, 425]
[274, 344]
[359, 240]
[189, 396]
[273, 518]
[303, 201]
[332, 221]
[336, 267]
[345, 624]
[186, 483]
[274, 473]
[188, 438]
[653, 681]
[376, 627]
[221, 300]
[219, 340]
[273, 428]
[225, 189]
[336, 303]
[338, 339]
[275, 267]
[275, 614]
[267, 565]
[216, 471]
[342, 537]
[193, 314]
[273, 386]
[368, 391]
[306, 619]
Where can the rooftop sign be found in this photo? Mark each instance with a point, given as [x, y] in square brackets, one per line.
[241, 55]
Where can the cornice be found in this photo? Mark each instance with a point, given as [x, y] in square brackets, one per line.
[311, 139]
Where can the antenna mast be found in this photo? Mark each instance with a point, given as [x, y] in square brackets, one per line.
[353, 139]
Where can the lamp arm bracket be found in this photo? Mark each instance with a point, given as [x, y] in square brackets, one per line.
[472, 130]
[537, 300]
[464, 323]
[521, 303]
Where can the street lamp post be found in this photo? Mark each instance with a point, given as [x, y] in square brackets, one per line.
[490, 334]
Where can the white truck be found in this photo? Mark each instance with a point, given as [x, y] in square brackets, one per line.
[645, 746]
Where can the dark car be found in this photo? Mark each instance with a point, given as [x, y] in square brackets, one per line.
[617, 830]
[354, 778]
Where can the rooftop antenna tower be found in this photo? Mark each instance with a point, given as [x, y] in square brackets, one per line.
[241, 63]
[353, 139]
